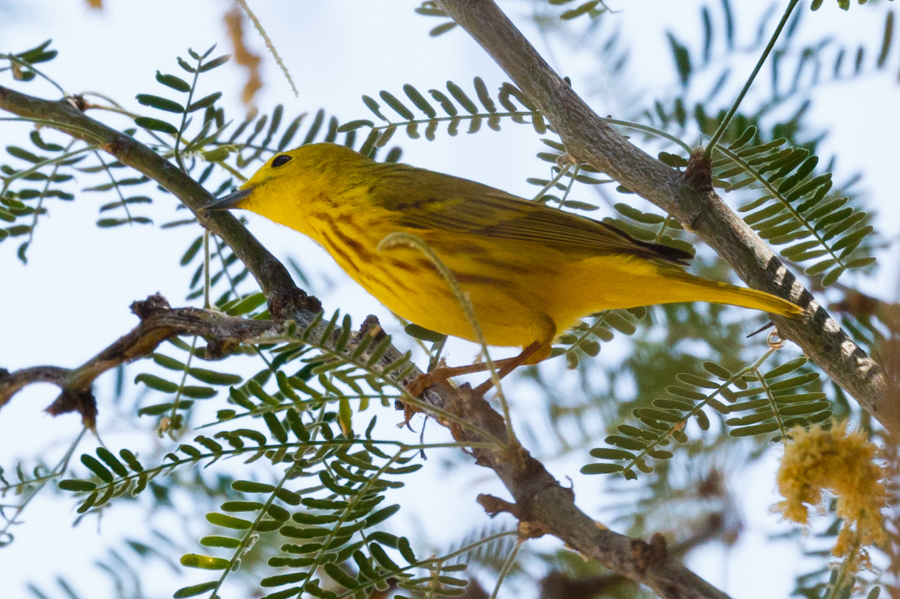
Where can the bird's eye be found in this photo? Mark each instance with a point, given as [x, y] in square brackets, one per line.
[280, 160]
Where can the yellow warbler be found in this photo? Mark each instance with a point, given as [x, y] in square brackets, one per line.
[530, 271]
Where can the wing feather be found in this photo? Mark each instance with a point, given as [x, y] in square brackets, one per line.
[481, 210]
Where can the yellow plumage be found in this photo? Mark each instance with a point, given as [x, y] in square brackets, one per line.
[530, 271]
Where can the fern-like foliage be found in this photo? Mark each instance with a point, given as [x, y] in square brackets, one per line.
[457, 107]
[793, 69]
[326, 529]
[750, 402]
[795, 208]
[789, 201]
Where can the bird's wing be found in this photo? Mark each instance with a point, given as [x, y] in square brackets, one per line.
[481, 210]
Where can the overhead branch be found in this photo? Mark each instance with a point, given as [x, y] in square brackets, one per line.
[66, 116]
[688, 197]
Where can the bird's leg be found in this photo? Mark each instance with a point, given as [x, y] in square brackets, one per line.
[504, 367]
[443, 373]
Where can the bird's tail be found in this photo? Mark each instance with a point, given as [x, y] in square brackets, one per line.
[704, 290]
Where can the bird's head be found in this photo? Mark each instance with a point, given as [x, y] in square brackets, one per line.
[285, 184]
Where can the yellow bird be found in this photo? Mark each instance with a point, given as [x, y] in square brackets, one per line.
[530, 271]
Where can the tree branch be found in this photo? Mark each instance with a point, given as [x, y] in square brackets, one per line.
[272, 276]
[697, 207]
[542, 504]
[159, 322]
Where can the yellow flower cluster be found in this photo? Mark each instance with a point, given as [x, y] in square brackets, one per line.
[842, 463]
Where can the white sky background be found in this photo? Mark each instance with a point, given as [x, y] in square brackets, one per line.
[72, 298]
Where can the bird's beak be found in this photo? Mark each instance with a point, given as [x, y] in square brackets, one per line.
[231, 200]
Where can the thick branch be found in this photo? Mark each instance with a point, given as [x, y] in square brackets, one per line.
[590, 140]
[542, 506]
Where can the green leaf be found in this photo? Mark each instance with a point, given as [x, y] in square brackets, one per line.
[245, 306]
[168, 362]
[832, 276]
[155, 125]
[886, 42]
[382, 557]
[241, 506]
[637, 215]
[606, 468]
[805, 408]
[214, 63]
[373, 105]
[382, 515]
[23, 154]
[171, 81]
[354, 125]
[419, 100]
[339, 576]
[160, 103]
[397, 105]
[853, 238]
[110, 460]
[197, 392]
[204, 562]
[580, 10]
[275, 427]
[620, 323]
[246, 486]
[796, 381]
[414, 330]
[441, 29]
[228, 521]
[460, 96]
[94, 465]
[608, 453]
[820, 267]
[191, 251]
[860, 262]
[626, 442]
[716, 370]
[214, 378]
[785, 368]
[156, 409]
[289, 497]
[38, 54]
[88, 503]
[196, 589]
[131, 460]
[678, 391]
[682, 59]
[76, 485]
[204, 102]
[696, 381]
